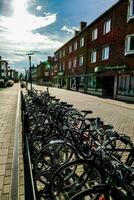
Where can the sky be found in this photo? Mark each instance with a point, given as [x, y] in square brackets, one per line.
[42, 26]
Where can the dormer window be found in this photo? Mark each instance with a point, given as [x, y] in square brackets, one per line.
[129, 45]
[131, 9]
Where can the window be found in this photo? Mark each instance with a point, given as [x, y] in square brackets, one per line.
[60, 67]
[82, 42]
[81, 60]
[55, 68]
[63, 53]
[70, 64]
[56, 57]
[63, 66]
[93, 56]
[70, 48]
[60, 54]
[75, 46]
[129, 45]
[131, 9]
[105, 53]
[126, 85]
[107, 27]
[74, 62]
[94, 34]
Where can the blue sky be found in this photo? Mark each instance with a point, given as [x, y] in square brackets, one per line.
[42, 26]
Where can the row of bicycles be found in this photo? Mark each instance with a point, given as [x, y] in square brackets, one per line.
[75, 156]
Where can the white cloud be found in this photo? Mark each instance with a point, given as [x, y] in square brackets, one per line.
[38, 7]
[69, 29]
[16, 36]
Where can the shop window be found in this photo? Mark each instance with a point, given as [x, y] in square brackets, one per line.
[94, 34]
[126, 85]
[131, 9]
[105, 53]
[91, 82]
[93, 56]
[107, 27]
[129, 45]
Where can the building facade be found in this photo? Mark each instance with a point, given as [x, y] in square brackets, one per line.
[99, 59]
[3, 69]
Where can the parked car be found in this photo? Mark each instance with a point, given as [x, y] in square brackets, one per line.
[9, 83]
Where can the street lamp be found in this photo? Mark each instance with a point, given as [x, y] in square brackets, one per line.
[26, 77]
[30, 73]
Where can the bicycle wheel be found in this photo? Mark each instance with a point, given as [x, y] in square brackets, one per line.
[41, 183]
[100, 192]
[74, 177]
[60, 152]
[120, 147]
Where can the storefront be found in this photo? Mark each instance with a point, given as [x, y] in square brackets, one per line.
[125, 90]
[77, 83]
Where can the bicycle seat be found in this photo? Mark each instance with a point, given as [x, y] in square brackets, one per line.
[69, 105]
[52, 97]
[107, 126]
[63, 103]
[87, 111]
[57, 100]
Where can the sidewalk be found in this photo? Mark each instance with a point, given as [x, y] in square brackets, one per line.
[8, 108]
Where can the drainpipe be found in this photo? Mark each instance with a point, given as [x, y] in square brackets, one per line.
[115, 86]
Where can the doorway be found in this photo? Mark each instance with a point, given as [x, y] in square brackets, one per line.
[108, 86]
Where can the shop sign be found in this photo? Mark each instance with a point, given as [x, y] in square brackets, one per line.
[60, 73]
[109, 68]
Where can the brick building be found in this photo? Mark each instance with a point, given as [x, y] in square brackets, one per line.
[44, 72]
[99, 59]
[3, 69]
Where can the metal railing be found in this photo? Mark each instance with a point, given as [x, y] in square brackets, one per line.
[28, 177]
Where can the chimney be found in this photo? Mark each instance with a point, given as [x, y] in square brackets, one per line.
[76, 32]
[49, 58]
[83, 25]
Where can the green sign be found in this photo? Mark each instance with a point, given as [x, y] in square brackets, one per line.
[60, 73]
[109, 68]
[47, 64]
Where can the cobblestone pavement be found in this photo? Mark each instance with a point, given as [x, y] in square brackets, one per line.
[8, 105]
[119, 114]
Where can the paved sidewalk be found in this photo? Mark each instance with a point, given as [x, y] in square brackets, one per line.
[8, 106]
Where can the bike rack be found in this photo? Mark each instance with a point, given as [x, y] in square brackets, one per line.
[28, 177]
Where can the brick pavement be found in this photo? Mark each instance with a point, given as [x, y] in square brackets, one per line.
[8, 105]
[119, 114]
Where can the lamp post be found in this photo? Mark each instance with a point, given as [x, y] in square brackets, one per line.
[26, 77]
[30, 72]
